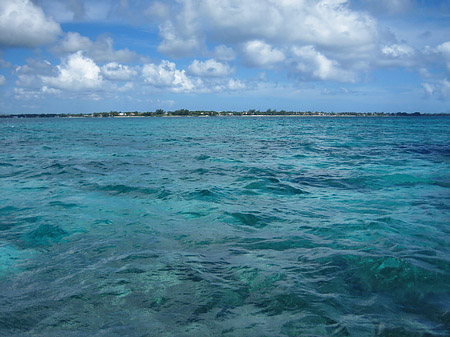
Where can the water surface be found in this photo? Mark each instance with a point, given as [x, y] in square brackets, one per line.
[225, 226]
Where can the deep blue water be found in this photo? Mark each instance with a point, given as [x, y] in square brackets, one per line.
[225, 226]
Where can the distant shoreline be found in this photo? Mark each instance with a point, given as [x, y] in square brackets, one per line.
[204, 114]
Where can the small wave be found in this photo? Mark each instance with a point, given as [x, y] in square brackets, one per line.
[202, 157]
[8, 210]
[249, 219]
[442, 183]
[132, 191]
[277, 244]
[274, 186]
[211, 195]
[258, 171]
[63, 204]
[200, 171]
[194, 215]
[55, 166]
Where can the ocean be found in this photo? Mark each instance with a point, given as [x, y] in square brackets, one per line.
[225, 226]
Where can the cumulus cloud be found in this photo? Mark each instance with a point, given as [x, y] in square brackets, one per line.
[102, 50]
[398, 50]
[310, 63]
[398, 55]
[23, 24]
[29, 75]
[2, 80]
[80, 76]
[178, 45]
[326, 23]
[233, 84]
[345, 41]
[435, 69]
[444, 50]
[118, 72]
[29, 78]
[259, 53]
[73, 42]
[165, 75]
[439, 89]
[77, 75]
[209, 68]
[179, 32]
[224, 53]
[76, 72]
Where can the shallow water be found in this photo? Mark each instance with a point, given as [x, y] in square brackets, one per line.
[225, 226]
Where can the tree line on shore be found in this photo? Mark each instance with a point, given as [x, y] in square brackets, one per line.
[212, 113]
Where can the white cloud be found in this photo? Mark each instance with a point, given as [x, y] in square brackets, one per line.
[444, 49]
[226, 85]
[348, 39]
[175, 44]
[76, 73]
[29, 75]
[326, 23]
[398, 55]
[64, 11]
[439, 89]
[312, 64]
[209, 68]
[23, 24]
[79, 10]
[179, 32]
[398, 50]
[126, 87]
[261, 54]
[165, 75]
[235, 85]
[118, 72]
[224, 53]
[73, 42]
[2, 80]
[436, 60]
[78, 76]
[390, 7]
[158, 9]
[25, 93]
[101, 50]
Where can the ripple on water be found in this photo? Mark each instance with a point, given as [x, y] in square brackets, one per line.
[250, 219]
[274, 186]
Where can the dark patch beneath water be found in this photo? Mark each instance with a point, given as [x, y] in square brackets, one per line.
[44, 235]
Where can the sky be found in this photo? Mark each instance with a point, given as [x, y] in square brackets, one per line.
[82, 56]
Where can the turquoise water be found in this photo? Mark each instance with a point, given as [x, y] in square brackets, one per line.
[225, 226]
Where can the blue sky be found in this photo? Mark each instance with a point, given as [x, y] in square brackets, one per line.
[77, 56]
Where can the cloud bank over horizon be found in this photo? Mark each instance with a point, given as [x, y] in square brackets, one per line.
[333, 55]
